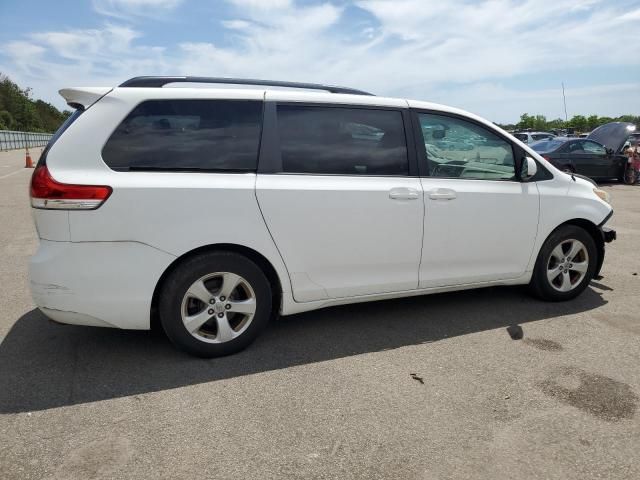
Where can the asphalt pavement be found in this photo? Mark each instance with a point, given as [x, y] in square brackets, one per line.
[430, 387]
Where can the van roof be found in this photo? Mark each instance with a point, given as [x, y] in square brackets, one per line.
[159, 82]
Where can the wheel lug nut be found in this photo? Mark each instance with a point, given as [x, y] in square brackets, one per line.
[227, 306]
[212, 301]
[222, 299]
[210, 312]
[220, 315]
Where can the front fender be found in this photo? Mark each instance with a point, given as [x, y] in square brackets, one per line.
[568, 201]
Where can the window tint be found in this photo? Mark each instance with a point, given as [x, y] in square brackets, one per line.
[540, 136]
[347, 141]
[594, 148]
[577, 147]
[187, 135]
[544, 146]
[458, 148]
[523, 137]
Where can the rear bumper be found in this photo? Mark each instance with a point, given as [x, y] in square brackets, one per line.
[107, 284]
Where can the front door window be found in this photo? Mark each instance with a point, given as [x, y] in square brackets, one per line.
[457, 148]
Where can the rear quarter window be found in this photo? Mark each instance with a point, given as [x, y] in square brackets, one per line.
[188, 135]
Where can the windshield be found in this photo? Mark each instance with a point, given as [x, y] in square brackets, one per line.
[544, 146]
[521, 136]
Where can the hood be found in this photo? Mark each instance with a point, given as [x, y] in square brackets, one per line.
[612, 135]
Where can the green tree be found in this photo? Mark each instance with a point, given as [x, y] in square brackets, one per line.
[540, 122]
[555, 124]
[526, 121]
[6, 121]
[579, 122]
[18, 111]
[592, 122]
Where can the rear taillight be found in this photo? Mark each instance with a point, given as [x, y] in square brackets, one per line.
[46, 193]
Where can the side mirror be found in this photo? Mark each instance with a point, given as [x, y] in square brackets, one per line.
[529, 168]
[609, 151]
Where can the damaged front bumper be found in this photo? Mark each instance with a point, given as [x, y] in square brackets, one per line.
[608, 234]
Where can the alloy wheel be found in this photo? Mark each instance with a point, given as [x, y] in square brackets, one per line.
[568, 264]
[218, 307]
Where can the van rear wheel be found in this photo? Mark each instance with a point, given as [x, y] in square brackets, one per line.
[565, 265]
[215, 304]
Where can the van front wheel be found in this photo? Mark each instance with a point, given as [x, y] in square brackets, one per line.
[565, 265]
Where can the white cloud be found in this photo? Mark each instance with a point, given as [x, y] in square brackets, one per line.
[262, 4]
[236, 24]
[132, 8]
[500, 103]
[454, 52]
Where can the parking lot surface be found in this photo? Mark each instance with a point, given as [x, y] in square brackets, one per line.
[429, 387]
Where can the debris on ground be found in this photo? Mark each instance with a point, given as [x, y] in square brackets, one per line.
[515, 332]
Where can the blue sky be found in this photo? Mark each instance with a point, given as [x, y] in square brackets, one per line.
[498, 58]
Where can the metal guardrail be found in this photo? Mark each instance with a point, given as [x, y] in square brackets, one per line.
[11, 140]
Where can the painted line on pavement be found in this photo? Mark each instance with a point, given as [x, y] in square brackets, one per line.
[13, 173]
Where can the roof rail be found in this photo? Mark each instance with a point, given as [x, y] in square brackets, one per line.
[157, 82]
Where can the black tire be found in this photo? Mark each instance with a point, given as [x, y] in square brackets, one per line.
[540, 284]
[175, 287]
[630, 176]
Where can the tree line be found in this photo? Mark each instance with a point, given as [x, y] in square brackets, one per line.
[579, 123]
[18, 111]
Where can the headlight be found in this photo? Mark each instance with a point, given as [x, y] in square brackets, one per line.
[603, 195]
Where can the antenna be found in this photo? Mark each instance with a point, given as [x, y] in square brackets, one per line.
[564, 99]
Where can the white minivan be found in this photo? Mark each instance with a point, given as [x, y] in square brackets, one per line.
[215, 209]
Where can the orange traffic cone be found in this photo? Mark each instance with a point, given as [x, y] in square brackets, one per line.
[28, 163]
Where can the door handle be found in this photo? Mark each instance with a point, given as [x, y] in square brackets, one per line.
[402, 193]
[442, 194]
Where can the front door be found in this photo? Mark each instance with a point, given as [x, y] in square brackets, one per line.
[480, 222]
[341, 206]
[600, 163]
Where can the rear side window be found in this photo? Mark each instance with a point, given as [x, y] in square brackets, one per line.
[188, 135]
[342, 141]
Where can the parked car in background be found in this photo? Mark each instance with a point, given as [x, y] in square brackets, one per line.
[599, 156]
[531, 137]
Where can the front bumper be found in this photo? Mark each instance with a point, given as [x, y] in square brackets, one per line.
[608, 234]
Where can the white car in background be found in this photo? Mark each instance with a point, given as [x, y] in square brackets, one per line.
[532, 137]
[216, 209]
